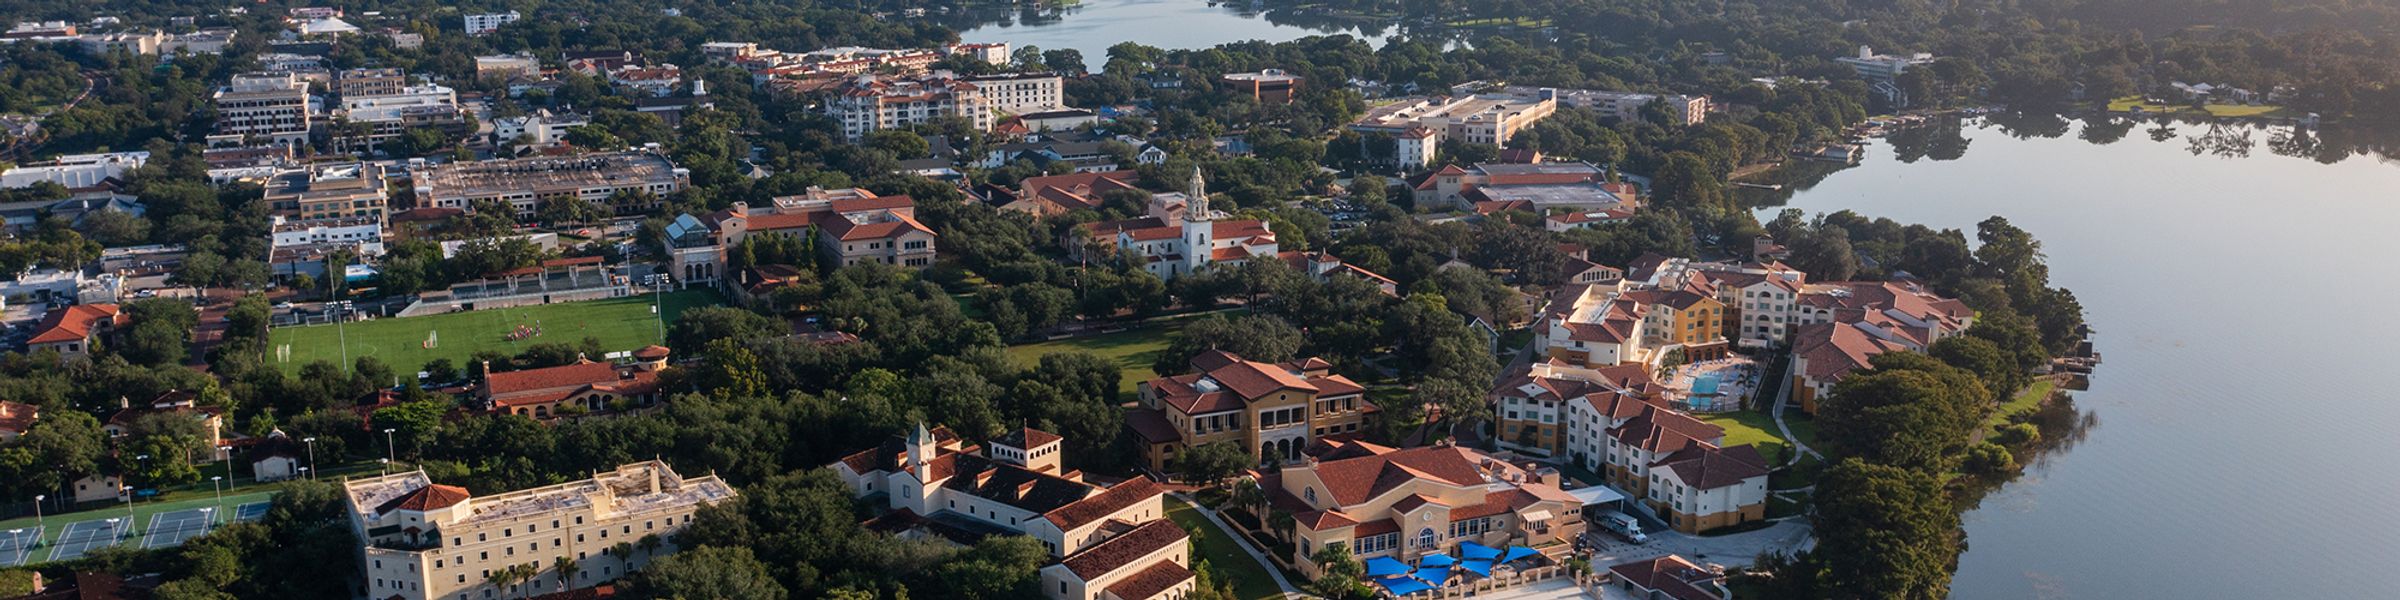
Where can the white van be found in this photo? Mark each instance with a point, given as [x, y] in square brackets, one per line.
[1624, 526]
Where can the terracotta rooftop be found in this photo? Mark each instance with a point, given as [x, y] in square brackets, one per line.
[75, 323]
[1117, 552]
[1150, 581]
[1709, 467]
[1108, 502]
[431, 497]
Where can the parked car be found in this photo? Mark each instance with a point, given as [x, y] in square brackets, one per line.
[1624, 526]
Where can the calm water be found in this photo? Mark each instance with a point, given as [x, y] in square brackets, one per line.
[1094, 25]
[2242, 431]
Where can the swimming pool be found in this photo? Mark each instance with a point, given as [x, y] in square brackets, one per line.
[1705, 385]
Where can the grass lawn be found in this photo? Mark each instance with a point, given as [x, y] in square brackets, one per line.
[1749, 427]
[2024, 401]
[620, 324]
[1224, 555]
[1134, 350]
[2127, 104]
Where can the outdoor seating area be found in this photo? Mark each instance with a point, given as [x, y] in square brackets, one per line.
[1434, 575]
[1713, 386]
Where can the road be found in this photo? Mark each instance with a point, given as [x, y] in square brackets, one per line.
[1738, 549]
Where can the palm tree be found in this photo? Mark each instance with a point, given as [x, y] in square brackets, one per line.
[499, 579]
[649, 545]
[1248, 496]
[1283, 522]
[565, 569]
[525, 574]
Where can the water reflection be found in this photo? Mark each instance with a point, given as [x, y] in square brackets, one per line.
[2063, 427]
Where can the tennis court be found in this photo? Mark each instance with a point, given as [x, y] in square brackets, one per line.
[85, 536]
[250, 512]
[16, 545]
[173, 527]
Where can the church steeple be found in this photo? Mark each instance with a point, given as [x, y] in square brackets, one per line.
[1195, 193]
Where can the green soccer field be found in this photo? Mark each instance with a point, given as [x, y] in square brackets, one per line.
[619, 323]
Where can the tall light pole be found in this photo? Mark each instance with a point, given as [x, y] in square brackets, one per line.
[213, 482]
[312, 452]
[390, 454]
[37, 513]
[19, 542]
[130, 525]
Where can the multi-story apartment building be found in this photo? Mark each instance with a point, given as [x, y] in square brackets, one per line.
[1405, 504]
[420, 540]
[524, 183]
[479, 24]
[1883, 67]
[870, 103]
[541, 128]
[1537, 407]
[1704, 487]
[1479, 119]
[1106, 543]
[1271, 410]
[328, 191]
[851, 226]
[1271, 86]
[352, 83]
[270, 107]
[505, 66]
[1022, 93]
[1844, 325]
[372, 120]
[1627, 106]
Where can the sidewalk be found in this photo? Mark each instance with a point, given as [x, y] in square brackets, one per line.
[1226, 530]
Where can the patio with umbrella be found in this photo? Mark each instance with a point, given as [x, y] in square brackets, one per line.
[1402, 585]
[1478, 567]
[1517, 552]
[1437, 576]
[1436, 560]
[1475, 551]
[1385, 566]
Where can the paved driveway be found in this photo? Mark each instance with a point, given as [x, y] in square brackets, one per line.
[1731, 550]
[1560, 588]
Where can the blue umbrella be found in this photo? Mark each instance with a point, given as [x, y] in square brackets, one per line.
[1478, 567]
[1384, 565]
[1434, 575]
[1517, 552]
[1402, 586]
[1436, 560]
[1475, 551]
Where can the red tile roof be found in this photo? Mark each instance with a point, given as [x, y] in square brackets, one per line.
[431, 497]
[1151, 581]
[844, 229]
[1151, 425]
[1356, 480]
[1710, 467]
[16, 417]
[75, 323]
[1662, 430]
[1118, 552]
[1670, 575]
[1083, 512]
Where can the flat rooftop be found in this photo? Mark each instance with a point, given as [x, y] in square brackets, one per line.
[546, 174]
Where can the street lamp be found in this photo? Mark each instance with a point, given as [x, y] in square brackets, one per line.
[312, 453]
[37, 512]
[213, 481]
[19, 542]
[389, 454]
[130, 525]
[384, 465]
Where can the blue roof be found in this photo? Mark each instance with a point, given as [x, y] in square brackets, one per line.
[1434, 575]
[1478, 567]
[1384, 565]
[1403, 585]
[1475, 551]
[1517, 552]
[1436, 560]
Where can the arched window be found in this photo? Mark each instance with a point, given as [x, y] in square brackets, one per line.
[1425, 539]
[1310, 493]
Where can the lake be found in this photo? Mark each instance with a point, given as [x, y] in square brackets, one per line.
[1092, 26]
[2239, 441]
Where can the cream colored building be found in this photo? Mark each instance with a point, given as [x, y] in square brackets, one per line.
[1405, 504]
[1110, 543]
[426, 541]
